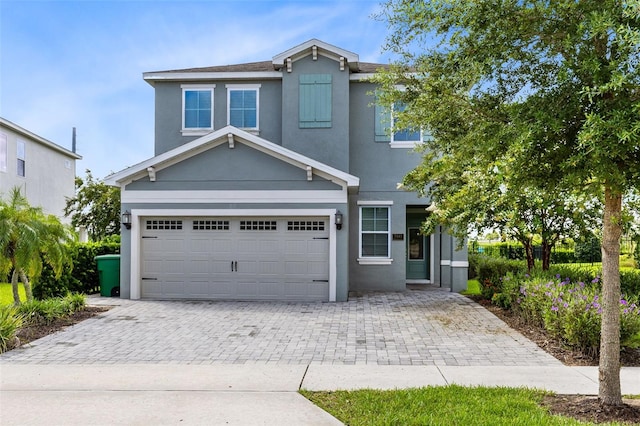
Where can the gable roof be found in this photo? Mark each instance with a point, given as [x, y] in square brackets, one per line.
[39, 139]
[230, 134]
[266, 69]
[322, 48]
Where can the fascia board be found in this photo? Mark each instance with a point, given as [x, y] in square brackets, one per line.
[329, 51]
[152, 77]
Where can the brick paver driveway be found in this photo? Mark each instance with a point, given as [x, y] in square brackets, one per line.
[416, 327]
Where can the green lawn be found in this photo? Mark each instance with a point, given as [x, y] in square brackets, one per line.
[473, 288]
[6, 295]
[448, 405]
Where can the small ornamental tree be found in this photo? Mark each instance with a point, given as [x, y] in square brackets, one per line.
[96, 206]
[547, 91]
[29, 238]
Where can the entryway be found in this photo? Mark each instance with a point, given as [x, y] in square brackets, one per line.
[418, 254]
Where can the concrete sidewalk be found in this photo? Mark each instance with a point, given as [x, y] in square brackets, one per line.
[239, 394]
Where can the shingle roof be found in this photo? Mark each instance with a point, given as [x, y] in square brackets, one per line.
[364, 67]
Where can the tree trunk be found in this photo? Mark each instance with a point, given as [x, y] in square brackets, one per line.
[14, 287]
[27, 286]
[528, 250]
[609, 391]
[546, 255]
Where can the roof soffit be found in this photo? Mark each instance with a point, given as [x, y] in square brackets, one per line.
[325, 49]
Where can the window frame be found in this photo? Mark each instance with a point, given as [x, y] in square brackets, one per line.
[4, 152]
[244, 87]
[190, 131]
[21, 158]
[369, 259]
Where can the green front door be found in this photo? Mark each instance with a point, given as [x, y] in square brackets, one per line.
[418, 250]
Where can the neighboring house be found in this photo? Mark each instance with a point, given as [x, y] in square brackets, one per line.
[277, 180]
[44, 171]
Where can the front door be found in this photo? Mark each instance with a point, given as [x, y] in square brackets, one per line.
[418, 250]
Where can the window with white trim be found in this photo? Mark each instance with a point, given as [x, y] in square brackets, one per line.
[21, 159]
[197, 108]
[4, 153]
[375, 233]
[385, 130]
[243, 104]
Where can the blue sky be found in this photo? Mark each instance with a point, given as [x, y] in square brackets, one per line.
[66, 64]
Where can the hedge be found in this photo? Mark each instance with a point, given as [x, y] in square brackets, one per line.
[81, 278]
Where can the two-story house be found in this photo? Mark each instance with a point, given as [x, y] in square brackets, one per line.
[277, 180]
[44, 172]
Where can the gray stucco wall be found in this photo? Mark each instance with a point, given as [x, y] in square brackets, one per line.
[240, 168]
[168, 104]
[328, 145]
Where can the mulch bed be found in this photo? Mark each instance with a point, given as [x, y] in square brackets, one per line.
[29, 333]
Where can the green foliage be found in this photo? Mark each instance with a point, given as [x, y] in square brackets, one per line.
[570, 310]
[588, 250]
[491, 272]
[6, 294]
[442, 405]
[82, 276]
[45, 311]
[30, 239]
[10, 322]
[96, 206]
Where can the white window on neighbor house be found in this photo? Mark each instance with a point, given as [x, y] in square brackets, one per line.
[197, 109]
[375, 233]
[4, 153]
[21, 157]
[243, 106]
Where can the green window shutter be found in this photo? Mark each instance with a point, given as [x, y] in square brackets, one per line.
[315, 101]
[383, 124]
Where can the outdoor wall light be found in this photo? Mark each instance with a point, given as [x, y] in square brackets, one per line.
[126, 219]
[338, 220]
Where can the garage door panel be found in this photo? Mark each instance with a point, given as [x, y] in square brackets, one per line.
[236, 259]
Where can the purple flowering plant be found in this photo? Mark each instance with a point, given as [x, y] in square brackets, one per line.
[571, 311]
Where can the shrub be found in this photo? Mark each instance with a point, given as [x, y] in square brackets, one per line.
[588, 250]
[491, 271]
[82, 278]
[562, 255]
[571, 311]
[45, 311]
[10, 322]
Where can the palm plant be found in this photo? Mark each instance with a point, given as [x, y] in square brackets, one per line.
[28, 239]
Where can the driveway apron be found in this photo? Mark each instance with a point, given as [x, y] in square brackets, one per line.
[417, 327]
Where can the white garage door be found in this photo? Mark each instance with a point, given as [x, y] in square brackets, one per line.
[235, 258]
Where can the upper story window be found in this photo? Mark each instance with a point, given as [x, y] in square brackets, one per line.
[197, 109]
[21, 157]
[315, 101]
[4, 153]
[385, 131]
[243, 102]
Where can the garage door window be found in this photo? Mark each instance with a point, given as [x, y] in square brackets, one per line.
[164, 224]
[305, 225]
[210, 225]
[258, 225]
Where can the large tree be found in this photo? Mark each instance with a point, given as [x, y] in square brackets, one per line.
[549, 89]
[29, 238]
[96, 206]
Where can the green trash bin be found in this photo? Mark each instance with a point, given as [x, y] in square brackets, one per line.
[109, 274]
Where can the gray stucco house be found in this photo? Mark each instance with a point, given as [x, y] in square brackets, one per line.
[277, 180]
[44, 171]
